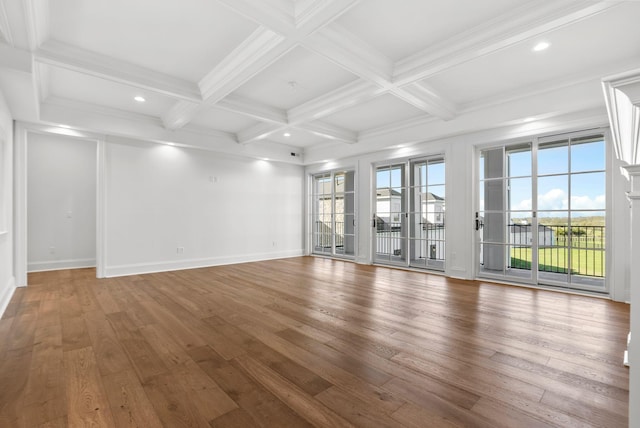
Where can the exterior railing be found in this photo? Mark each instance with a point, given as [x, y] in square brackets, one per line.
[558, 246]
[428, 241]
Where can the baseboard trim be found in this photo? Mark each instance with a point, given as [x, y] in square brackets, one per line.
[142, 268]
[60, 264]
[6, 294]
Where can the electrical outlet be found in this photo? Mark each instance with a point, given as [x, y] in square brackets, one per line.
[274, 243]
[180, 250]
[52, 250]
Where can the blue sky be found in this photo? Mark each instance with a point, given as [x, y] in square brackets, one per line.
[587, 188]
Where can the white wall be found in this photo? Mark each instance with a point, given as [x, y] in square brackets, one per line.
[219, 209]
[61, 202]
[7, 280]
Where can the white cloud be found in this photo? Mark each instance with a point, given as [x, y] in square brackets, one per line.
[554, 199]
[586, 203]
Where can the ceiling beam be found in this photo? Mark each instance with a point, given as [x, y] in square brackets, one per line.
[254, 109]
[180, 114]
[343, 48]
[276, 36]
[36, 14]
[523, 23]
[331, 132]
[264, 14]
[5, 28]
[339, 99]
[256, 53]
[75, 59]
[312, 15]
[427, 99]
[257, 132]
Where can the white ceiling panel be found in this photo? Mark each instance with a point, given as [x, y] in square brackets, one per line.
[92, 90]
[399, 29]
[574, 50]
[185, 39]
[297, 77]
[223, 120]
[347, 67]
[296, 138]
[380, 111]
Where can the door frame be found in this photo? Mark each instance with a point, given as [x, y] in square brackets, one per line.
[535, 141]
[407, 164]
[21, 139]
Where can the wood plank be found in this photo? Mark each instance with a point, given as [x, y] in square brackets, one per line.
[110, 356]
[210, 400]
[87, 404]
[129, 403]
[14, 373]
[75, 334]
[298, 400]
[15, 302]
[171, 402]
[307, 341]
[145, 360]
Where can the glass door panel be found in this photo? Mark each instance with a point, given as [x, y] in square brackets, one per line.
[333, 221]
[505, 222]
[390, 216]
[322, 200]
[542, 211]
[410, 214]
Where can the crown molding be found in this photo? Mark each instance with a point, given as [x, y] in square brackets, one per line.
[98, 110]
[331, 132]
[624, 114]
[252, 56]
[5, 28]
[396, 127]
[61, 55]
[630, 86]
[427, 99]
[36, 14]
[254, 109]
[351, 53]
[525, 22]
[548, 86]
[339, 99]
[180, 114]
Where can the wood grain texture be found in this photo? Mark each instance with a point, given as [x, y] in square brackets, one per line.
[307, 342]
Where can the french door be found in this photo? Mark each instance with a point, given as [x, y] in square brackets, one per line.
[333, 214]
[409, 218]
[542, 212]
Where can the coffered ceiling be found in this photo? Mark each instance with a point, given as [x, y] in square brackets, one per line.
[318, 78]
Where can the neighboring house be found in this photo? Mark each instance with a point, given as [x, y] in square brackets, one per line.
[433, 205]
[388, 205]
[520, 234]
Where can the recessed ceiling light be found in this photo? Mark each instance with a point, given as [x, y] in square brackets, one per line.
[541, 46]
[287, 134]
[139, 99]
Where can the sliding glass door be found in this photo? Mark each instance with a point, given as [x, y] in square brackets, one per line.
[542, 212]
[409, 221]
[333, 214]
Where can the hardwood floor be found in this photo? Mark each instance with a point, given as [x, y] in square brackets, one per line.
[307, 342]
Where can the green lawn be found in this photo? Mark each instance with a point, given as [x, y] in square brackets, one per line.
[589, 262]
